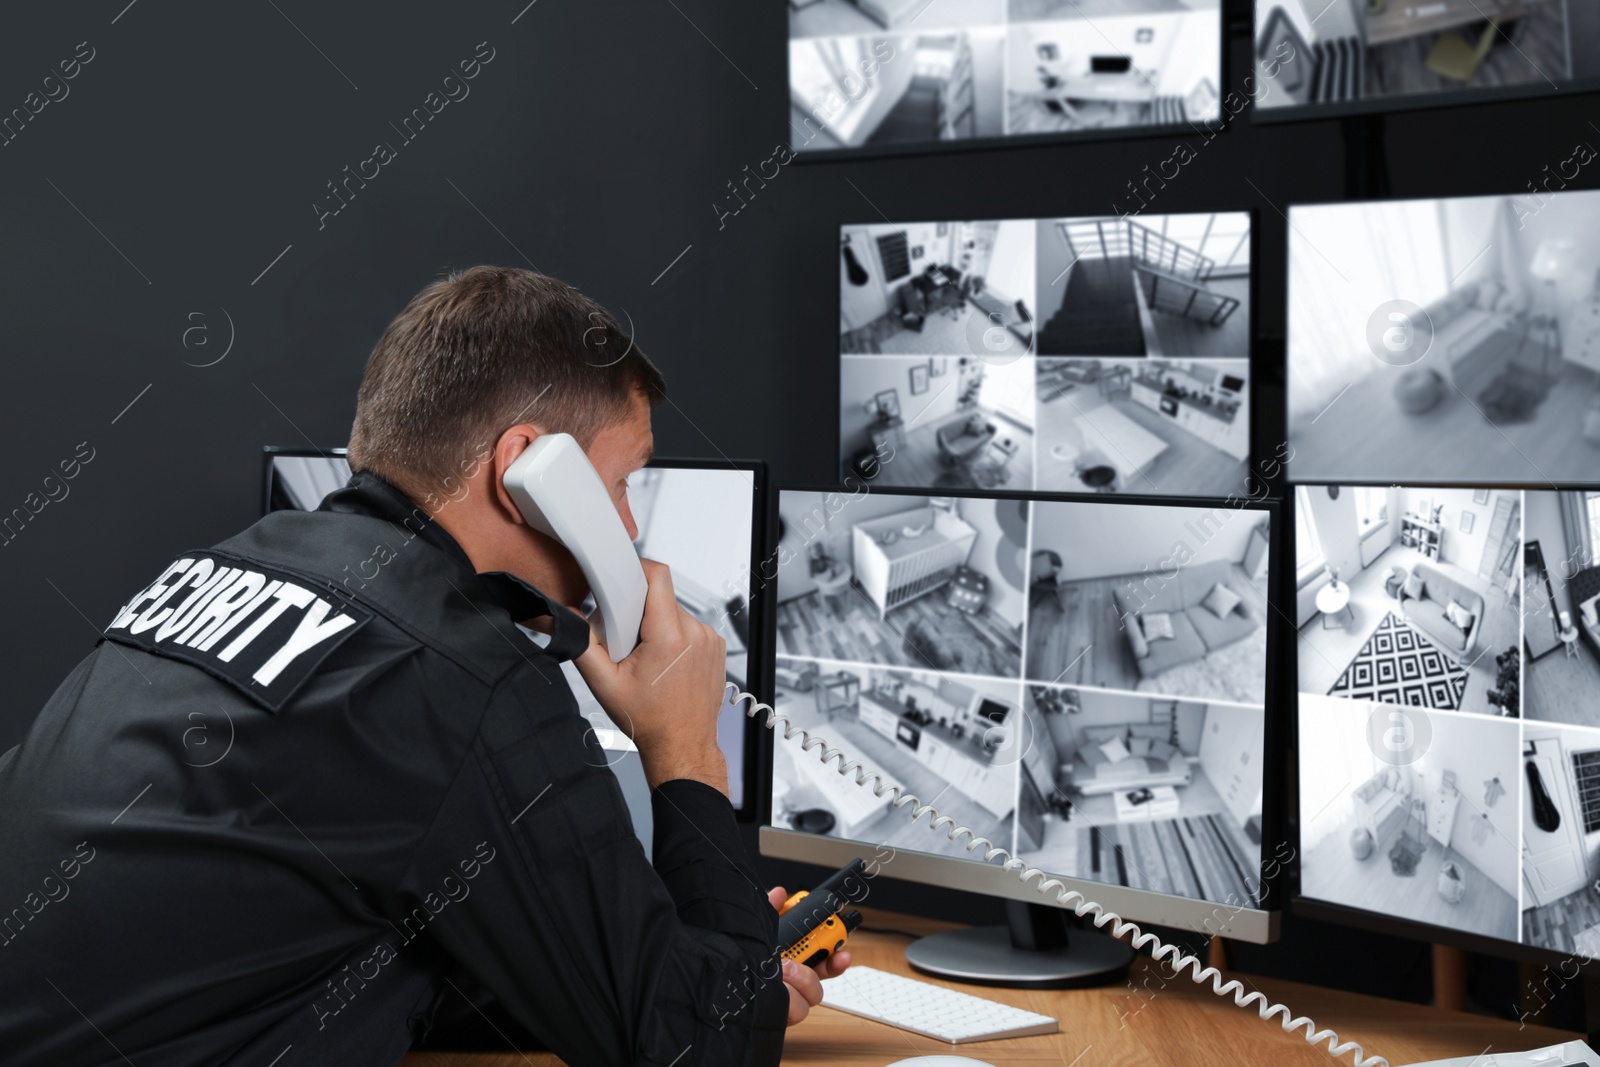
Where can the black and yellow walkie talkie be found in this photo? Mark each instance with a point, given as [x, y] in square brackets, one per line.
[814, 925]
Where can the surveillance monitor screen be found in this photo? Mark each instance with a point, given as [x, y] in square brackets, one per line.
[1071, 355]
[1316, 58]
[875, 75]
[1080, 683]
[1452, 340]
[1449, 721]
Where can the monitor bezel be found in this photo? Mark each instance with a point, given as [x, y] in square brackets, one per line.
[1432, 101]
[756, 658]
[756, 786]
[1215, 127]
[1362, 918]
[1259, 925]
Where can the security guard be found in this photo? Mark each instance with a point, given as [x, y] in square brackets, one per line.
[315, 791]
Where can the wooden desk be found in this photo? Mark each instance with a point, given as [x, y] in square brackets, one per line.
[1179, 1024]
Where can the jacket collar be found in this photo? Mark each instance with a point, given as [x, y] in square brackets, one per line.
[372, 495]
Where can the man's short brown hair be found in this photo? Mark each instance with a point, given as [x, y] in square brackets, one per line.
[480, 351]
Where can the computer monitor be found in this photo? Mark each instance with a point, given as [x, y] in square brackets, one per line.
[1069, 355]
[885, 76]
[298, 478]
[1449, 714]
[1446, 340]
[701, 518]
[1083, 683]
[1321, 58]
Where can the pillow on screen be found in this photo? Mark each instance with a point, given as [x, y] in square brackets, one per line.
[1162, 750]
[1157, 626]
[1096, 735]
[1116, 750]
[1139, 746]
[1092, 757]
[1414, 588]
[1459, 615]
[1221, 601]
[1141, 648]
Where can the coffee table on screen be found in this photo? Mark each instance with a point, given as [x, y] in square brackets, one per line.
[1333, 600]
[1127, 446]
[1163, 804]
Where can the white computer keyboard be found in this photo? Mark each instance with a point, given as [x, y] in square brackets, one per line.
[1570, 1054]
[930, 1010]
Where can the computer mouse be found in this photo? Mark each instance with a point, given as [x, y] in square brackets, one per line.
[940, 1061]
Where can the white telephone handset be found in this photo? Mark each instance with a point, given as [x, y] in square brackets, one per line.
[560, 494]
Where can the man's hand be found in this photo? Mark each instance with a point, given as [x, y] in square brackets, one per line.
[805, 984]
[666, 693]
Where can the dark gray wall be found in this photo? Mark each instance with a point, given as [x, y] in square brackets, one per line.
[597, 145]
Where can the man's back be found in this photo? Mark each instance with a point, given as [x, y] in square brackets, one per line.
[290, 851]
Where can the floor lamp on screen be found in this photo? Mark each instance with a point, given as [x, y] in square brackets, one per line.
[1553, 263]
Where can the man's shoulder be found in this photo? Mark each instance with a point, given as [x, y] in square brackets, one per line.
[341, 577]
[262, 629]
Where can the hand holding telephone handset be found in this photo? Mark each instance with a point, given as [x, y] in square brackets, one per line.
[561, 495]
[648, 640]
[656, 670]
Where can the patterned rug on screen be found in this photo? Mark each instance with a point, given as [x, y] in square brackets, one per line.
[1398, 665]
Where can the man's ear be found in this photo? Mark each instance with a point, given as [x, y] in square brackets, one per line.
[510, 445]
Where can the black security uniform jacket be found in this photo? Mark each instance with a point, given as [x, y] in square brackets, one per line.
[386, 794]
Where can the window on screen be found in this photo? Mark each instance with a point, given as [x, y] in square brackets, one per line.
[1370, 506]
[1307, 546]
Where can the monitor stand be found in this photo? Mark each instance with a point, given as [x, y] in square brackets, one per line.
[1038, 947]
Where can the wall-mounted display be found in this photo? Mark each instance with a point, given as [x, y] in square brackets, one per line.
[1316, 58]
[947, 641]
[1449, 661]
[1448, 340]
[1069, 355]
[896, 75]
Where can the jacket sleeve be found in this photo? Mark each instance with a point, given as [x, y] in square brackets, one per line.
[532, 878]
